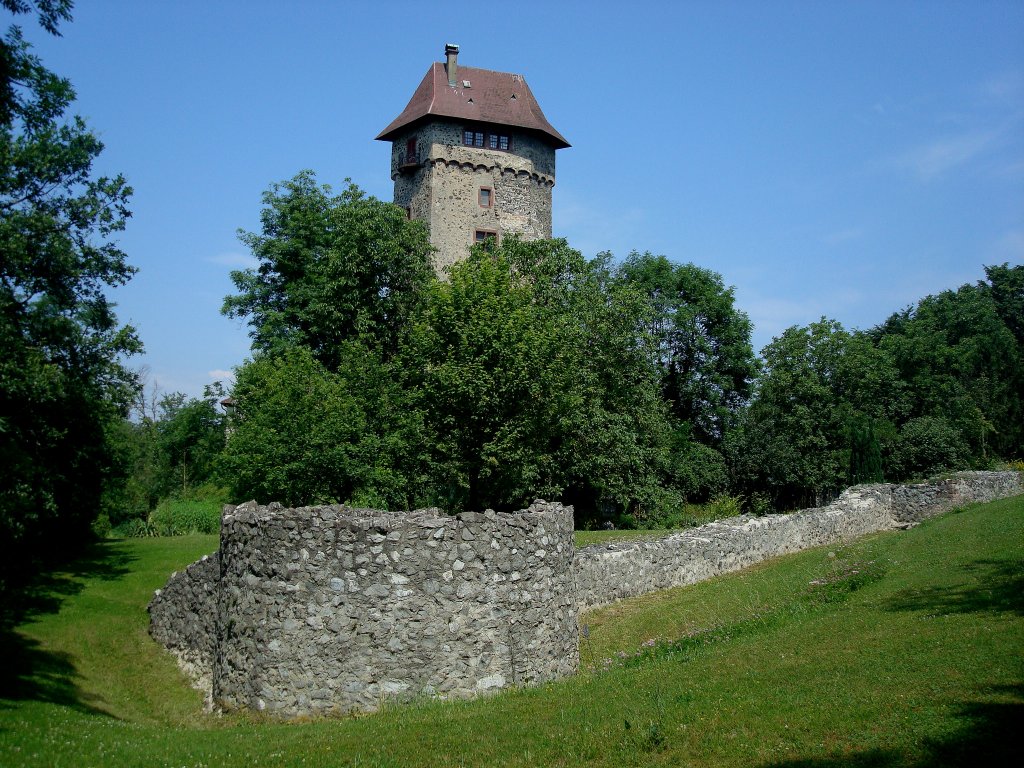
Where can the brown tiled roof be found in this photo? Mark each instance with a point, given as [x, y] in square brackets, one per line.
[500, 98]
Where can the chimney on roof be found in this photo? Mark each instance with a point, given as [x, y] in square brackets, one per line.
[451, 53]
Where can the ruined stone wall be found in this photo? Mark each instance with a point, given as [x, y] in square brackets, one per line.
[183, 617]
[913, 503]
[610, 572]
[329, 609]
[444, 190]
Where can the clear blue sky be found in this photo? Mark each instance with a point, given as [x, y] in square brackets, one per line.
[838, 159]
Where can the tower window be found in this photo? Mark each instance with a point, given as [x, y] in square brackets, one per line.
[483, 235]
[490, 140]
[498, 141]
[486, 197]
[473, 138]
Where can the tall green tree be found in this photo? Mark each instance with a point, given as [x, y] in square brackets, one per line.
[14, 69]
[820, 382]
[961, 358]
[190, 437]
[304, 434]
[332, 268]
[704, 351]
[534, 380]
[62, 384]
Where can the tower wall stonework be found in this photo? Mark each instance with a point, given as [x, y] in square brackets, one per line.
[443, 190]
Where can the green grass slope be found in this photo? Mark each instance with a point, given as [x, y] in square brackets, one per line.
[901, 649]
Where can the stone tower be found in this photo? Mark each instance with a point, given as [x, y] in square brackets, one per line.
[473, 156]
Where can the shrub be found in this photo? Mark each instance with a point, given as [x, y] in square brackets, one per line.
[724, 505]
[760, 504]
[697, 471]
[101, 527]
[178, 517]
[926, 446]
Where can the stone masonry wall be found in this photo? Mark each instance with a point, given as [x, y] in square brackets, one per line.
[183, 617]
[324, 609]
[610, 572]
[327, 609]
[444, 190]
[913, 503]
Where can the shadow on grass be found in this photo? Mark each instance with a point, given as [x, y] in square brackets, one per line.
[30, 672]
[995, 586]
[988, 735]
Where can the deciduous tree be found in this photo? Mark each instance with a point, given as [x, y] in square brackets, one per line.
[533, 381]
[62, 384]
[704, 352]
[332, 268]
[303, 434]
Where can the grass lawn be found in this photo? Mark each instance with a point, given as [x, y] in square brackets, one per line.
[907, 650]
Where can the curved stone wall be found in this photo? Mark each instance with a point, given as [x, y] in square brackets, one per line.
[183, 618]
[331, 609]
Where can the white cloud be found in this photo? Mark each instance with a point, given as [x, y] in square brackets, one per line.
[234, 259]
[771, 316]
[933, 159]
[990, 124]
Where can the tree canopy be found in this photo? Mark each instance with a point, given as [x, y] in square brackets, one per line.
[937, 386]
[332, 268]
[535, 378]
[62, 383]
[625, 389]
[704, 353]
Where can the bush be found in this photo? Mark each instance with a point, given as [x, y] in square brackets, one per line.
[724, 505]
[208, 492]
[926, 446]
[760, 504]
[178, 517]
[101, 527]
[697, 471]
